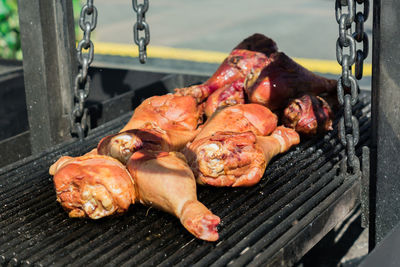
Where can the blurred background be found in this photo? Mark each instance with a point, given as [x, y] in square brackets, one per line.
[302, 29]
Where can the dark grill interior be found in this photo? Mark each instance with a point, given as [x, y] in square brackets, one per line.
[267, 223]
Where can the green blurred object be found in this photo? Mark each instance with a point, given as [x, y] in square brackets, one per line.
[10, 44]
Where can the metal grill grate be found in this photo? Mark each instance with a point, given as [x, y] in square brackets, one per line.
[274, 222]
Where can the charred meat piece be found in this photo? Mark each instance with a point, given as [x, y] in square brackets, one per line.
[239, 65]
[236, 159]
[308, 115]
[226, 159]
[92, 186]
[165, 181]
[240, 118]
[225, 96]
[283, 79]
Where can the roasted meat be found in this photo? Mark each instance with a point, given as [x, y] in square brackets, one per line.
[168, 112]
[92, 185]
[240, 118]
[308, 115]
[226, 159]
[283, 79]
[225, 87]
[236, 159]
[280, 141]
[164, 123]
[245, 61]
[237, 66]
[229, 95]
[165, 181]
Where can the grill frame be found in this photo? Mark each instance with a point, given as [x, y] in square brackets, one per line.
[338, 195]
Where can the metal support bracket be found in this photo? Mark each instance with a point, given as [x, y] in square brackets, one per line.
[364, 197]
[385, 141]
[48, 46]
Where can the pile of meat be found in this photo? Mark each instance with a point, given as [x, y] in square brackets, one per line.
[223, 132]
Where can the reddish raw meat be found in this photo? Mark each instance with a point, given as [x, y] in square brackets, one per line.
[237, 66]
[308, 115]
[283, 79]
[245, 61]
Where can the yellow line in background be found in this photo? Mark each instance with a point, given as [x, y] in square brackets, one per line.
[315, 65]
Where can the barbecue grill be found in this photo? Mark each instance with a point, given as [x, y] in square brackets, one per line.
[299, 197]
[302, 196]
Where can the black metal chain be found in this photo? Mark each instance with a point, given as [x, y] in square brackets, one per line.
[347, 88]
[79, 115]
[141, 25]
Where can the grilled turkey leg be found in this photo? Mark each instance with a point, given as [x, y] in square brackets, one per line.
[226, 159]
[280, 141]
[92, 185]
[165, 181]
[236, 159]
[164, 123]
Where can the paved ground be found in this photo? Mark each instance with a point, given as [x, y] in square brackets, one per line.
[305, 28]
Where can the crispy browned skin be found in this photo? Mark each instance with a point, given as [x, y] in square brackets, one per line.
[236, 159]
[283, 79]
[168, 112]
[92, 185]
[308, 115]
[226, 159]
[240, 118]
[165, 181]
[165, 123]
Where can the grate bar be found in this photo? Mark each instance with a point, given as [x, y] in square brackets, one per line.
[271, 236]
[287, 236]
[269, 223]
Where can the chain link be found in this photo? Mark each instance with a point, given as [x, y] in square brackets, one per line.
[79, 118]
[141, 25]
[347, 88]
